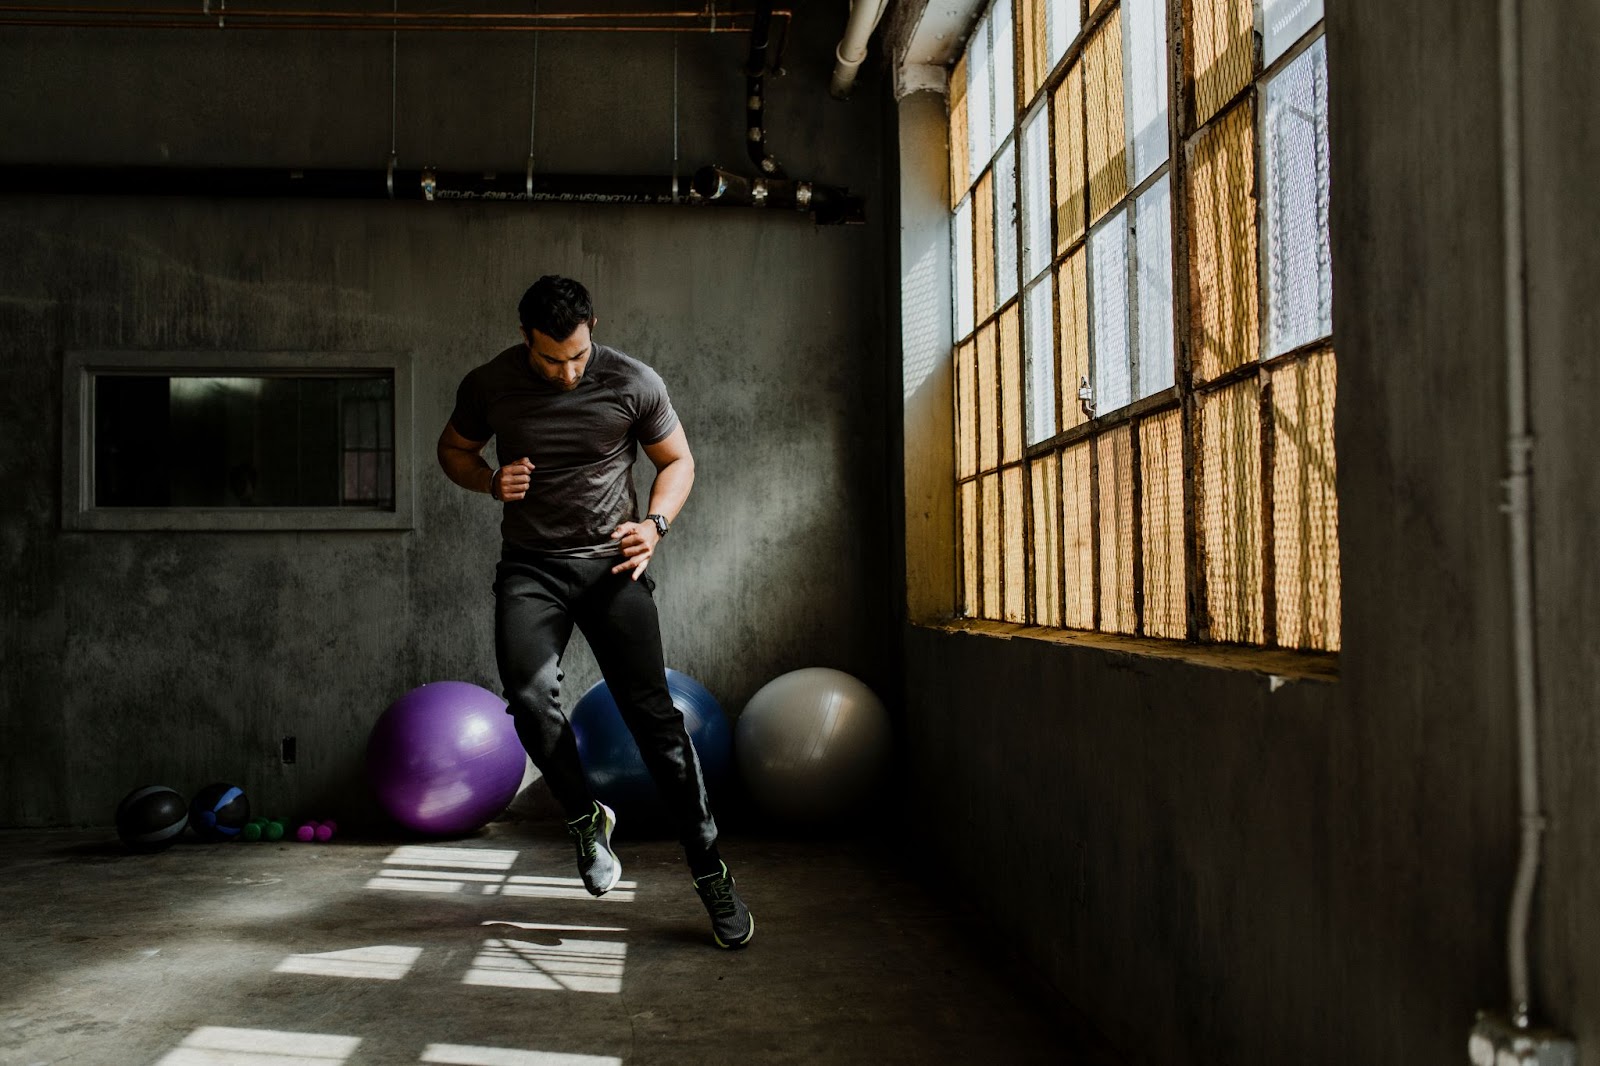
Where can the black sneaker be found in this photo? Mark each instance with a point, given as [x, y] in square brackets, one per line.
[732, 924]
[598, 865]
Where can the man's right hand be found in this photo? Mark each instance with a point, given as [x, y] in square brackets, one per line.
[511, 481]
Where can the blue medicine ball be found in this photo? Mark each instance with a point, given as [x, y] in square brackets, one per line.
[611, 760]
[218, 812]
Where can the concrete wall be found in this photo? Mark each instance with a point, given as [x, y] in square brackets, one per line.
[1217, 872]
[183, 658]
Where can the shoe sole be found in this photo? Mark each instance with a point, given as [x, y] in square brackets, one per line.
[616, 864]
[748, 936]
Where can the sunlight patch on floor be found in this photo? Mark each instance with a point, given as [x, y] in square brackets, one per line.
[383, 962]
[570, 965]
[463, 1055]
[220, 1046]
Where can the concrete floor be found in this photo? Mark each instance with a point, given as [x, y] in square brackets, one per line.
[485, 952]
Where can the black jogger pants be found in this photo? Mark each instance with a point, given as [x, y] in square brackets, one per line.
[538, 599]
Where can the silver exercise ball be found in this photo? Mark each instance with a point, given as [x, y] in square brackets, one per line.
[811, 744]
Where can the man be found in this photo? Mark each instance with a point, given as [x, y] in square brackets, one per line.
[566, 415]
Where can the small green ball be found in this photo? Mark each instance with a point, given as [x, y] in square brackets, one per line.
[273, 831]
[251, 832]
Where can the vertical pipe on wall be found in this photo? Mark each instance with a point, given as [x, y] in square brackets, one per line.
[755, 71]
[852, 49]
[1519, 448]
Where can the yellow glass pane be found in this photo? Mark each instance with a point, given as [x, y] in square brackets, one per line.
[966, 409]
[1305, 504]
[1222, 245]
[1077, 538]
[1222, 36]
[988, 372]
[983, 246]
[958, 133]
[1114, 461]
[1014, 498]
[1228, 510]
[970, 549]
[1046, 477]
[1072, 308]
[1011, 399]
[993, 550]
[1161, 520]
[1035, 48]
[1107, 144]
[1071, 190]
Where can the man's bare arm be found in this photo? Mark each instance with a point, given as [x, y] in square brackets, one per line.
[463, 463]
[674, 478]
[674, 474]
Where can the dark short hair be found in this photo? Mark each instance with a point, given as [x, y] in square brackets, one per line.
[555, 306]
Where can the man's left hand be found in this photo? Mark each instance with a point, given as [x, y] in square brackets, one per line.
[638, 542]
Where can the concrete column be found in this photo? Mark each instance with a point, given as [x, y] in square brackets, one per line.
[926, 375]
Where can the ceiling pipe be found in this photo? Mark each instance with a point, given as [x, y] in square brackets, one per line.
[826, 204]
[703, 21]
[852, 49]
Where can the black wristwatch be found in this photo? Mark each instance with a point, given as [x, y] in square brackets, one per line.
[660, 523]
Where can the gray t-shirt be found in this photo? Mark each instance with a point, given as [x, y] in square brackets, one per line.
[581, 443]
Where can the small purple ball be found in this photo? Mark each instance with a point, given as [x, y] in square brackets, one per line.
[444, 759]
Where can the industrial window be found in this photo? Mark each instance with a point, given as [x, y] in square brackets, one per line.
[242, 441]
[1144, 367]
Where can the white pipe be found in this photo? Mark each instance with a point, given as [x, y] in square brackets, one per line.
[1518, 508]
[852, 49]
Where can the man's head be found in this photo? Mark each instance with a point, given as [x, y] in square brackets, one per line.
[556, 319]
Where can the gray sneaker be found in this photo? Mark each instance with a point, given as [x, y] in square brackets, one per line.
[598, 865]
[732, 924]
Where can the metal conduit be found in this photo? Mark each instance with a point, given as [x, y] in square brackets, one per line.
[826, 204]
[755, 70]
[708, 20]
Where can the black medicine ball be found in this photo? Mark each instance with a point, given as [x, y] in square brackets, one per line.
[151, 818]
[219, 811]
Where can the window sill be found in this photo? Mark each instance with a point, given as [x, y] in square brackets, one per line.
[1278, 665]
[237, 519]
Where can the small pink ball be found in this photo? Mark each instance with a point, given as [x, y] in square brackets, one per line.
[324, 833]
[306, 833]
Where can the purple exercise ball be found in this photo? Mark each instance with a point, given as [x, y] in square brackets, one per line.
[444, 758]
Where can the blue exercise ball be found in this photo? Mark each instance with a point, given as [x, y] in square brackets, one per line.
[611, 761]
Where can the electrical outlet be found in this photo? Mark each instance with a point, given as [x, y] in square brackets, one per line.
[286, 750]
[1497, 1041]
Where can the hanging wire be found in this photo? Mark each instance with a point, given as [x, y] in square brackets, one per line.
[674, 118]
[394, 92]
[533, 109]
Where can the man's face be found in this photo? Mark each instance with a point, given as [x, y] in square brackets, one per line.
[561, 363]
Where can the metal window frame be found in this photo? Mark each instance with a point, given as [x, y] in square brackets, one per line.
[1184, 393]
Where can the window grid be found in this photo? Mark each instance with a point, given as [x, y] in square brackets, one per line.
[1049, 517]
